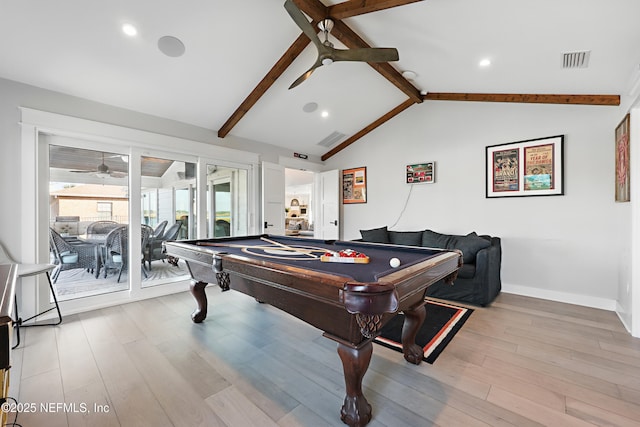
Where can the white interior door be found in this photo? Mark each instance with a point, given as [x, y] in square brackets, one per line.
[273, 195]
[329, 205]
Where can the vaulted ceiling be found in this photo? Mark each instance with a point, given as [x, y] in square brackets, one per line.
[241, 56]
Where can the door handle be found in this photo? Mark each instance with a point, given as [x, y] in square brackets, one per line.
[334, 222]
[267, 225]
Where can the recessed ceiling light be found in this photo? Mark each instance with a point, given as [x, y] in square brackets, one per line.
[129, 30]
[325, 113]
[485, 62]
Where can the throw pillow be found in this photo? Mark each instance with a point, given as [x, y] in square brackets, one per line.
[431, 239]
[407, 238]
[375, 235]
[469, 245]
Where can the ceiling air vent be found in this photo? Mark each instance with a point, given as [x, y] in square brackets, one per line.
[332, 139]
[576, 59]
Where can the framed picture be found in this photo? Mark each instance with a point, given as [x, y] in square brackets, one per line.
[525, 168]
[354, 185]
[421, 173]
[623, 181]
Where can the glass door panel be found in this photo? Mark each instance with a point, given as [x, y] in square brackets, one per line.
[165, 194]
[88, 198]
[227, 199]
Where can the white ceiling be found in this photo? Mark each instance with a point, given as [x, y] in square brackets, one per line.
[77, 47]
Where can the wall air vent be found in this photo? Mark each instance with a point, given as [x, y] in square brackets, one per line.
[332, 139]
[576, 59]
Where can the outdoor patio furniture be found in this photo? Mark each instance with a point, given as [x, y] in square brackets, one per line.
[101, 227]
[70, 256]
[117, 249]
[159, 230]
[153, 249]
[222, 228]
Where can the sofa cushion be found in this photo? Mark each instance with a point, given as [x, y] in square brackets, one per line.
[469, 245]
[408, 238]
[375, 235]
[431, 239]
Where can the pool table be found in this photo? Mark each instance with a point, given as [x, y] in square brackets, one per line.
[348, 301]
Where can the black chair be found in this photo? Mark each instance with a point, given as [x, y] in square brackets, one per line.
[69, 256]
[153, 250]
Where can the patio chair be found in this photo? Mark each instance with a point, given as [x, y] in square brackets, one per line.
[222, 228]
[70, 256]
[159, 230]
[101, 227]
[117, 249]
[153, 250]
[146, 234]
[25, 270]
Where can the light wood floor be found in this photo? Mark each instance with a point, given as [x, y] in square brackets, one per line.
[520, 362]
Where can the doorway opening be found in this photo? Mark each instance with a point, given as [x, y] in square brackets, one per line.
[299, 203]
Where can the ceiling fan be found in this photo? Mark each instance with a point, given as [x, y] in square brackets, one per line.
[103, 171]
[327, 54]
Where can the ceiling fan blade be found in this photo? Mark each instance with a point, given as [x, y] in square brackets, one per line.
[307, 74]
[301, 21]
[371, 54]
[83, 171]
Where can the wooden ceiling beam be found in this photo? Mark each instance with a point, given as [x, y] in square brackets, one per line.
[352, 40]
[318, 11]
[525, 98]
[314, 8]
[351, 8]
[391, 114]
[267, 81]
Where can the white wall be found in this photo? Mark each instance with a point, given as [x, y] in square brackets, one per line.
[568, 248]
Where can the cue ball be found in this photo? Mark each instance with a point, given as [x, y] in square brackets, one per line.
[394, 262]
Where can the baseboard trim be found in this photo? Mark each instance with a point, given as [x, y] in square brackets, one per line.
[565, 297]
[618, 311]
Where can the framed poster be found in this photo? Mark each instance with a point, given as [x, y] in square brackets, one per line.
[623, 180]
[525, 168]
[423, 173]
[354, 185]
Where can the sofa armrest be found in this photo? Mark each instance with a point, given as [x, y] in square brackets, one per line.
[488, 262]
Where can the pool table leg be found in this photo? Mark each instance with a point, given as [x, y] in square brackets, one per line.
[413, 320]
[197, 290]
[356, 411]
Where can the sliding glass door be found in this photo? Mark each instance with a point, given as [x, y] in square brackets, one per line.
[90, 230]
[84, 172]
[88, 198]
[168, 189]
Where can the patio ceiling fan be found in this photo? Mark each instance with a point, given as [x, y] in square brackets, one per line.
[102, 171]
